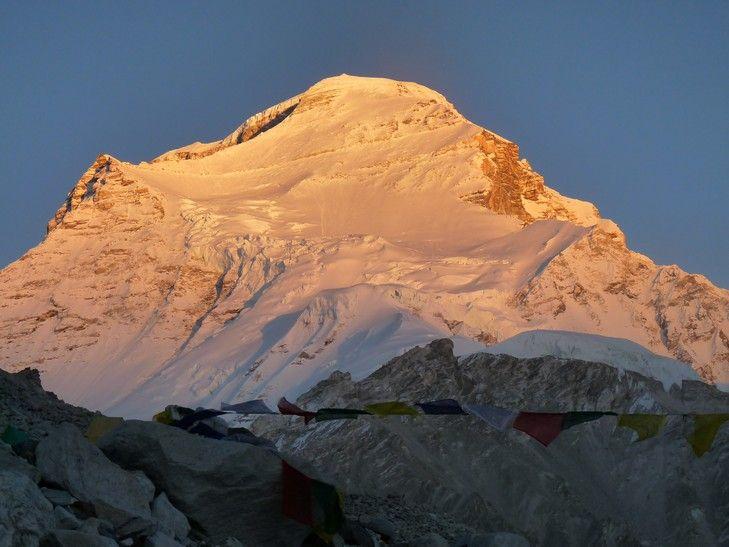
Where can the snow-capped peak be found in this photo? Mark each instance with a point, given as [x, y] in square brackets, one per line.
[330, 231]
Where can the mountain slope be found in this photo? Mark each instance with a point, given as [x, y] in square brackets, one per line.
[331, 231]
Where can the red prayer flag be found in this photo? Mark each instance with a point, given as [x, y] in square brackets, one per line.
[285, 407]
[297, 495]
[542, 426]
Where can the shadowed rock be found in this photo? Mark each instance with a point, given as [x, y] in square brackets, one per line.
[225, 488]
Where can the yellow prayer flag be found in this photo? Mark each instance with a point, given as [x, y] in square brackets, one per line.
[391, 408]
[101, 425]
[164, 417]
[705, 428]
[645, 425]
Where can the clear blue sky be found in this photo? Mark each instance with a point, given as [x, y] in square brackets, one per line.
[623, 104]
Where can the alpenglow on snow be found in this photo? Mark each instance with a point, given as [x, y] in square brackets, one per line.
[331, 231]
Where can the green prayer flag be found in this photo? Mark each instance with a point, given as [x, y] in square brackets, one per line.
[328, 509]
[13, 436]
[572, 419]
[645, 425]
[325, 414]
[706, 427]
[391, 408]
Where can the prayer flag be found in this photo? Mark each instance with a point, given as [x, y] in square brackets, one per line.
[163, 417]
[542, 426]
[202, 414]
[100, 425]
[441, 406]
[325, 414]
[572, 419]
[257, 406]
[296, 495]
[328, 509]
[498, 418]
[391, 408]
[285, 407]
[204, 430]
[645, 425]
[311, 502]
[706, 427]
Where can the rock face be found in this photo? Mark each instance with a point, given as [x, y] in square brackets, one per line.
[172, 522]
[592, 486]
[225, 488]
[331, 231]
[26, 405]
[11, 462]
[65, 458]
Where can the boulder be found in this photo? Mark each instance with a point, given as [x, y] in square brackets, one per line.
[11, 462]
[429, 540]
[494, 539]
[58, 497]
[98, 527]
[161, 540]
[25, 514]
[65, 520]
[356, 534]
[66, 459]
[171, 521]
[226, 488]
[74, 538]
[381, 525]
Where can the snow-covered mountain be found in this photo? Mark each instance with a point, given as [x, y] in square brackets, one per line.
[331, 231]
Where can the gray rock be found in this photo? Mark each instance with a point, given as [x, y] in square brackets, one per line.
[161, 540]
[10, 462]
[74, 538]
[96, 526]
[230, 542]
[357, 534]
[25, 404]
[65, 458]
[172, 522]
[228, 489]
[65, 520]
[25, 514]
[506, 539]
[381, 525]
[58, 497]
[429, 540]
[249, 438]
[495, 539]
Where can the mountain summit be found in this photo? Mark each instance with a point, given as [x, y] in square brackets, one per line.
[331, 231]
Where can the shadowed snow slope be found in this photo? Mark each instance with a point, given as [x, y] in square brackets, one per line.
[331, 231]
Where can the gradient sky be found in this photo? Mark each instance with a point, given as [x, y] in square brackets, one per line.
[622, 104]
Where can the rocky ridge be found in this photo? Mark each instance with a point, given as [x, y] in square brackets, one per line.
[591, 486]
[152, 485]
